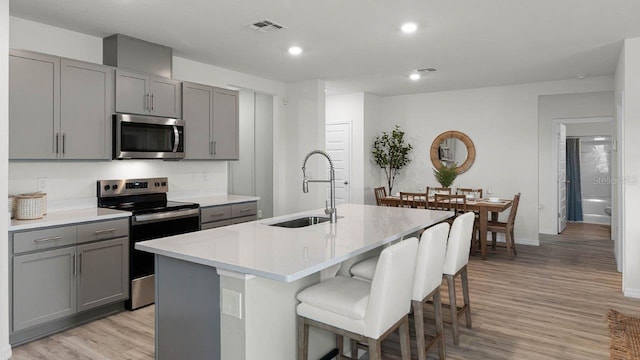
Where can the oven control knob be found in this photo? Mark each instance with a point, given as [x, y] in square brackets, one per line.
[157, 184]
[107, 187]
[164, 183]
[115, 187]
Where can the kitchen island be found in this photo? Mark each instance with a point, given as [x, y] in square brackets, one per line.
[229, 293]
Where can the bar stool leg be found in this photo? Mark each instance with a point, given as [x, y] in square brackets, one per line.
[437, 307]
[375, 351]
[354, 349]
[465, 295]
[340, 345]
[451, 284]
[418, 320]
[303, 339]
[405, 342]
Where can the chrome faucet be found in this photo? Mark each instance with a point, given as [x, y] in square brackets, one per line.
[331, 211]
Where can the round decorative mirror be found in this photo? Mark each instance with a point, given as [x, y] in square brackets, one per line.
[453, 147]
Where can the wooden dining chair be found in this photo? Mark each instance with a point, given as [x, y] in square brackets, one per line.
[455, 203]
[506, 228]
[467, 191]
[413, 200]
[380, 193]
[439, 190]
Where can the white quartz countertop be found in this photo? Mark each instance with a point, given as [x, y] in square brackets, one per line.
[67, 217]
[217, 199]
[286, 254]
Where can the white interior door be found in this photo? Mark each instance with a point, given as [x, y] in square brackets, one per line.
[338, 144]
[562, 177]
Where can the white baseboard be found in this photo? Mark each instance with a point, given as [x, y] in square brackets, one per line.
[5, 352]
[632, 293]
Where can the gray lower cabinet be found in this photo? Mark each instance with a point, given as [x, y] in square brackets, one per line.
[102, 275]
[147, 95]
[65, 275]
[44, 287]
[212, 122]
[58, 108]
[223, 215]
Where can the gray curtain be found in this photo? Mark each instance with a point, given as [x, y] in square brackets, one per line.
[574, 191]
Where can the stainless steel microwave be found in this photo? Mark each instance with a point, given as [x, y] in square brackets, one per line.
[147, 137]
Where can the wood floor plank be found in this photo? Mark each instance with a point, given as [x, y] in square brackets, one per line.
[548, 303]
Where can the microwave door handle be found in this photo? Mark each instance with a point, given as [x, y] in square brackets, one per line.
[176, 138]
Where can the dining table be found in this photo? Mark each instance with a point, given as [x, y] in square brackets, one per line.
[482, 206]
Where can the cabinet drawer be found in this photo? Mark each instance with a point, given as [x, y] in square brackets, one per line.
[103, 230]
[244, 209]
[217, 224]
[43, 239]
[215, 213]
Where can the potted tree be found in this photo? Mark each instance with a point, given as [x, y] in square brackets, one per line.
[391, 153]
[446, 175]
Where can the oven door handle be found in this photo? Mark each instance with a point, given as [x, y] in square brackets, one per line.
[170, 215]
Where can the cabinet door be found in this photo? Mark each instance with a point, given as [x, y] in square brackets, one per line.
[197, 112]
[103, 272]
[132, 93]
[44, 287]
[86, 103]
[225, 124]
[34, 98]
[165, 97]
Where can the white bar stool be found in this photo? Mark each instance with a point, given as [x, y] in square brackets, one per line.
[426, 286]
[455, 264]
[363, 311]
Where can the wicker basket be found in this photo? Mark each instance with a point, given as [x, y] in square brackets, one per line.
[12, 206]
[29, 206]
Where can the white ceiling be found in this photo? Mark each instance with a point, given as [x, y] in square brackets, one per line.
[356, 45]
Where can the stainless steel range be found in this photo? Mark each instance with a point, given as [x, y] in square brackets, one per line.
[153, 217]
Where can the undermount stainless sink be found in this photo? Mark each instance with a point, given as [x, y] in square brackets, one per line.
[301, 222]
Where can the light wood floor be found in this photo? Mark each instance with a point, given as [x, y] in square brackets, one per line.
[548, 303]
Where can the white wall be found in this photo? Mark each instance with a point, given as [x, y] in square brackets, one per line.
[350, 109]
[299, 131]
[5, 348]
[501, 121]
[617, 211]
[373, 175]
[72, 184]
[629, 70]
[563, 106]
[591, 129]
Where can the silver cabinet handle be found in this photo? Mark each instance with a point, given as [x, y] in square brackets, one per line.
[214, 147]
[152, 105]
[218, 214]
[80, 264]
[146, 102]
[57, 142]
[100, 232]
[63, 138]
[210, 147]
[73, 261]
[245, 209]
[54, 238]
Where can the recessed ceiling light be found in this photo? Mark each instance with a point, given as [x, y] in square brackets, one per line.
[414, 77]
[409, 27]
[581, 76]
[295, 50]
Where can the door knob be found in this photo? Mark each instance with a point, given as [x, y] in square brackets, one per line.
[346, 182]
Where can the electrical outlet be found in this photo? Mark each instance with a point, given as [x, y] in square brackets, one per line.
[259, 214]
[42, 184]
[232, 303]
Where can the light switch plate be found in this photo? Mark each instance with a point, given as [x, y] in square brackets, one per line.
[232, 303]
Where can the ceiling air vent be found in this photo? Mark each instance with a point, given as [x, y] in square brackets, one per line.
[427, 70]
[267, 26]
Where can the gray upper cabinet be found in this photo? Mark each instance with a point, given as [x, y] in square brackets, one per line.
[147, 95]
[44, 287]
[102, 273]
[58, 108]
[211, 116]
[225, 127]
[34, 100]
[86, 105]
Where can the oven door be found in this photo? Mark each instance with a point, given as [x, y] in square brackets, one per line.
[145, 137]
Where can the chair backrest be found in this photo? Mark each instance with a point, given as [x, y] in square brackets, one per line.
[467, 191]
[439, 190]
[459, 243]
[430, 260]
[413, 200]
[457, 203]
[391, 287]
[514, 210]
[380, 192]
